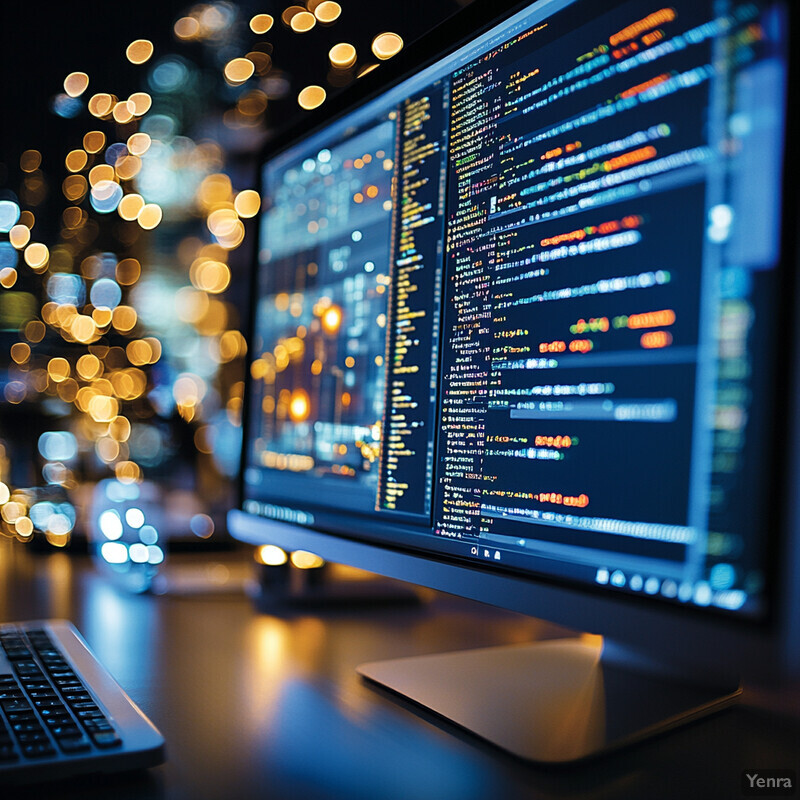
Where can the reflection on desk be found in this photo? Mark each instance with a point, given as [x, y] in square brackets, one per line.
[255, 705]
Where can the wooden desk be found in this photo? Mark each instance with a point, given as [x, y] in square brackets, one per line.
[260, 706]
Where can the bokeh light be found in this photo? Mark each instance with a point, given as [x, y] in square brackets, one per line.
[9, 214]
[328, 11]
[94, 141]
[342, 55]
[139, 51]
[302, 22]
[76, 83]
[261, 23]
[149, 216]
[311, 97]
[386, 45]
[19, 236]
[238, 70]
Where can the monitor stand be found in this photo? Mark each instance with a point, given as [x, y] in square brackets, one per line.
[551, 702]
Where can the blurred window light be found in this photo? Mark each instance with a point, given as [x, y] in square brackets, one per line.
[9, 214]
[41, 512]
[146, 445]
[61, 523]
[114, 552]
[134, 517]
[105, 293]
[66, 107]
[114, 151]
[118, 492]
[160, 126]
[168, 75]
[110, 524]
[148, 534]
[138, 553]
[58, 446]
[66, 287]
[8, 256]
[202, 525]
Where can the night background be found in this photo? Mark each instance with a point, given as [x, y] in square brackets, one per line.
[124, 262]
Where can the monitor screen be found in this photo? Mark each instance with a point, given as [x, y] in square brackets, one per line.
[520, 309]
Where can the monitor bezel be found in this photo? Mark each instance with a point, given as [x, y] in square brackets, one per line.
[687, 635]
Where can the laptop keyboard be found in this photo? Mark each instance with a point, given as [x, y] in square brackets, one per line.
[45, 703]
[47, 711]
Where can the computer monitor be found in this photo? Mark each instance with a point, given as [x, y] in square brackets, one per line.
[522, 332]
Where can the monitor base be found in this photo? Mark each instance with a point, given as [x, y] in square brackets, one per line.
[552, 702]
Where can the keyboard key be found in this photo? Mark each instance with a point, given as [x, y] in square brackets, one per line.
[48, 714]
[26, 727]
[22, 716]
[65, 729]
[54, 720]
[74, 744]
[33, 736]
[49, 702]
[15, 706]
[84, 705]
[105, 738]
[38, 750]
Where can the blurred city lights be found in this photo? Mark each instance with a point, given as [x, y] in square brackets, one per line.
[139, 51]
[311, 97]
[76, 83]
[386, 45]
[327, 11]
[270, 555]
[342, 55]
[261, 23]
[134, 328]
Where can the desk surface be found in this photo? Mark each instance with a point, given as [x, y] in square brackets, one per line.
[255, 705]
